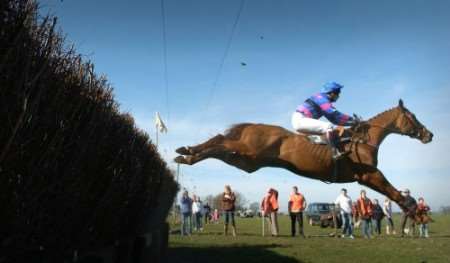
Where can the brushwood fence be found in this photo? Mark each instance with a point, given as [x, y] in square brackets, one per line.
[76, 175]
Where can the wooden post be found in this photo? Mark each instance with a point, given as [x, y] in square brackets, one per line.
[174, 210]
[335, 223]
[263, 218]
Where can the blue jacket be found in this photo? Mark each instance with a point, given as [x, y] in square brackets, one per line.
[320, 105]
[186, 205]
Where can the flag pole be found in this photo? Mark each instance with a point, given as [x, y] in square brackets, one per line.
[157, 137]
[178, 171]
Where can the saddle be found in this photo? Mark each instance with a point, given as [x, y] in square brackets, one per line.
[322, 139]
[338, 149]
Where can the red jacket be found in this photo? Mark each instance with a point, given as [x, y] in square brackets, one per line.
[422, 209]
[365, 207]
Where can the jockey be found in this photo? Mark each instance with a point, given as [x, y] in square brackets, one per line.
[306, 118]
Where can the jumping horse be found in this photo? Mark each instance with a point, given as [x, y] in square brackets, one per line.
[250, 147]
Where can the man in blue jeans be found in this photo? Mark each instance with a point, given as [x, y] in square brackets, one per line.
[344, 203]
[186, 214]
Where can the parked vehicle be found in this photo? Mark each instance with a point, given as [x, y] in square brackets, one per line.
[321, 214]
[246, 213]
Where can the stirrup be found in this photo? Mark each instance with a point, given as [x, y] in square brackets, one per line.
[337, 155]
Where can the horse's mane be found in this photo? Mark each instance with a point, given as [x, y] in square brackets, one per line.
[381, 113]
[234, 132]
[362, 128]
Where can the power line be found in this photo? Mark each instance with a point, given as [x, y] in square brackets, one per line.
[166, 74]
[225, 54]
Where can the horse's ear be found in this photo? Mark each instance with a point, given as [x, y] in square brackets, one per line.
[400, 104]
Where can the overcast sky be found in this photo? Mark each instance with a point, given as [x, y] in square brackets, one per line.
[380, 51]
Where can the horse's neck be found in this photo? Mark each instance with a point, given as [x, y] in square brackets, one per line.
[381, 126]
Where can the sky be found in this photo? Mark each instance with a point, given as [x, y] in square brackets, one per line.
[380, 51]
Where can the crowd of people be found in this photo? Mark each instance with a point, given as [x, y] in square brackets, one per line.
[195, 214]
[364, 213]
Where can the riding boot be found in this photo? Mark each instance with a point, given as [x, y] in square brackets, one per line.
[233, 228]
[225, 230]
[331, 137]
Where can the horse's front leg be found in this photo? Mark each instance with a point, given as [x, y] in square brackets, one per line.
[378, 182]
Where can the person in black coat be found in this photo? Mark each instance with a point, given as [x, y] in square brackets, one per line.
[377, 216]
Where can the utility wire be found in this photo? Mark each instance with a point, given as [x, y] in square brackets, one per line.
[225, 54]
[166, 74]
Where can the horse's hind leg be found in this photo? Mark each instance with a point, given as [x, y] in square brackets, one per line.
[218, 152]
[214, 141]
[224, 154]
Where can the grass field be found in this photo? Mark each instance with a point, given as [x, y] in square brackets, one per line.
[249, 246]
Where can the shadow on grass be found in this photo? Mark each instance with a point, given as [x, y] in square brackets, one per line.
[247, 254]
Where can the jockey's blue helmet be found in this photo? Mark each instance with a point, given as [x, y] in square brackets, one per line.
[332, 87]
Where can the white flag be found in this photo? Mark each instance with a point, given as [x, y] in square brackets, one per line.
[160, 124]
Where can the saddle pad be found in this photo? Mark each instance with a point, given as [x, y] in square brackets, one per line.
[317, 139]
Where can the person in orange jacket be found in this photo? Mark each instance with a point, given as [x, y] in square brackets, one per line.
[296, 206]
[365, 211]
[269, 207]
[423, 218]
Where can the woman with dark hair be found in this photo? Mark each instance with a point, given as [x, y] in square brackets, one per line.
[377, 216]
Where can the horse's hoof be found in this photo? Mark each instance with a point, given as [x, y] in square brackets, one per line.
[183, 151]
[180, 159]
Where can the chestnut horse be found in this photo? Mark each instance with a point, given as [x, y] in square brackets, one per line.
[252, 146]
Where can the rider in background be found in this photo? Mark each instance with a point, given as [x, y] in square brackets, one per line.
[306, 118]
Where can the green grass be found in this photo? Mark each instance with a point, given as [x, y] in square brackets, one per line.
[249, 246]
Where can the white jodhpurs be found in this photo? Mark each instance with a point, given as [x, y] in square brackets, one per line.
[307, 125]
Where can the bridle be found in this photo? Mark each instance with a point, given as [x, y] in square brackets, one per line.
[416, 132]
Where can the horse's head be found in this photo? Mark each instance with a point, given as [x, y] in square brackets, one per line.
[407, 124]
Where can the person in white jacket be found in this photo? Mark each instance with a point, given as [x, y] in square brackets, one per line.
[345, 207]
[197, 212]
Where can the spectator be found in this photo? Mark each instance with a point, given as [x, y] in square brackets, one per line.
[186, 214]
[355, 213]
[344, 202]
[422, 216]
[269, 206]
[387, 210]
[197, 212]
[296, 205]
[228, 200]
[365, 212]
[207, 213]
[215, 216]
[410, 212]
[377, 216]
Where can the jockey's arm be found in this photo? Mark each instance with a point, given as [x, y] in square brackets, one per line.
[338, 118]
